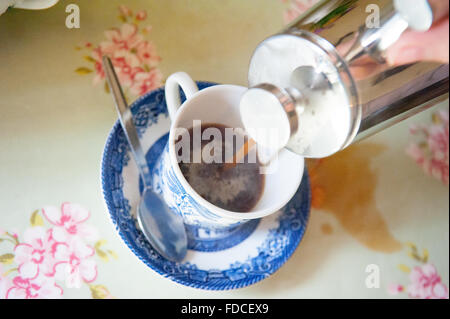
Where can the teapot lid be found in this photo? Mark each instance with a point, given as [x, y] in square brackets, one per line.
[310, 84]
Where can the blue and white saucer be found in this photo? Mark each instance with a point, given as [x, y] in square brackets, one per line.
[214, 261]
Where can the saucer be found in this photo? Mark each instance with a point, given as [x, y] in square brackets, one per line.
[215, 261]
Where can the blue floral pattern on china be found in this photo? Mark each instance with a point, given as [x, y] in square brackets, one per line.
[202, 235]
[167, 183]
[278, 244]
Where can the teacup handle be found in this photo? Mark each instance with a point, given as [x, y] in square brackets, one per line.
[173, 101]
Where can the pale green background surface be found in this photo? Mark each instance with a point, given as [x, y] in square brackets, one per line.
[54, 125]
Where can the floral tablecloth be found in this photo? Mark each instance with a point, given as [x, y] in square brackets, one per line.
[379, 225]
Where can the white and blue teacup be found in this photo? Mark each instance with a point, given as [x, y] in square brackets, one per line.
[216, 104]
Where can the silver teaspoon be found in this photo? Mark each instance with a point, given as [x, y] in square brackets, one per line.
[163, 228]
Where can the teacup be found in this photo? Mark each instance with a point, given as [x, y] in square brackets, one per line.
[35, 4]
[26, 4]
[216, 104]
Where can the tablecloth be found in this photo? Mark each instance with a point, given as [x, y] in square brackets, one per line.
[379, 225]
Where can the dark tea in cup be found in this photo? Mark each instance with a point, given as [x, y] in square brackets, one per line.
[206, 167]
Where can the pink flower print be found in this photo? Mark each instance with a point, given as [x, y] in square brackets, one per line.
[125, 11]
[39, 288]
[146, 81]
[126, 65]
[147, 29]
[69, 216]
[33, 255]
[74, 263]
[416, 153]
[69, 222]
[121, 46]
[438, 141]
[395, 289]
[146, 54]
[426, 283]
[141, 15]
[290, 15]
[432, 151]
[296, 9]
[5, 283]
[13, 232]
[130, 54]
[97, 55]
[126, 38]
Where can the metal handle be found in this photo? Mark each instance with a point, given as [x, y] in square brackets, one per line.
[396, 18]
[126, 120]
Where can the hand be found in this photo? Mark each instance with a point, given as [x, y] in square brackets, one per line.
[422, 46]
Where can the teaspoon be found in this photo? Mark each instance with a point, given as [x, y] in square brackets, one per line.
[162, 227]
